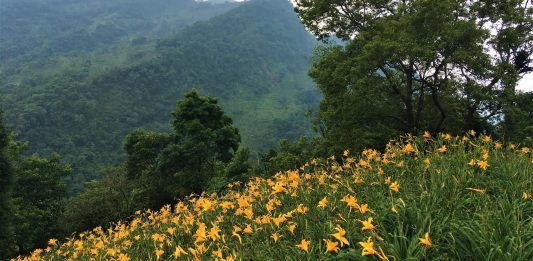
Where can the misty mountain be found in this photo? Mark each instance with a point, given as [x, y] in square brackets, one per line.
[43, 28]
[254, 57]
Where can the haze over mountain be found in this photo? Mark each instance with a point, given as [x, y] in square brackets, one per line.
[81, 100]
[33, 28]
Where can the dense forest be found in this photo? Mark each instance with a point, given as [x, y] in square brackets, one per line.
[33, 30]
[84, 111]
[111, 110]
[83, 81]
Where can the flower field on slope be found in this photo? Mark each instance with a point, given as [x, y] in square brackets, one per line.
[423, 198]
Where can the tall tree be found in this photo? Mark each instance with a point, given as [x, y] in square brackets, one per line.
[6, 183]
[38, 200]
[31, 196]
[177, 164]
[417, 65]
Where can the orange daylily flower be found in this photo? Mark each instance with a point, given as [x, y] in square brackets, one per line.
[331, 246]
[368, 247]
[304, 245]
[367, 225]
[395, 187]
[340, 236]
[426, 241]
[483, 164]
[323, 203]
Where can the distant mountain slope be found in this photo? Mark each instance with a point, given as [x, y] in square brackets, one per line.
[41, 37]
[42, 28]
[254, 57]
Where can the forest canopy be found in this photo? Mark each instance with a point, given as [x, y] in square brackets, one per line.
[411, 66]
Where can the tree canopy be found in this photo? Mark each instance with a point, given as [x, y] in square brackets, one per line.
[32, 193]
[176, 164]
[410, 66]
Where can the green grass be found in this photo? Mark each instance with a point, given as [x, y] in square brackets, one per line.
[470, 211]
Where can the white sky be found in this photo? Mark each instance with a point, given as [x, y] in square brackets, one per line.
[526, 84]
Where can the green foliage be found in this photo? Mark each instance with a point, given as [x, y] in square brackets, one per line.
[6, 185]
[39, 200]
[254, 57]
[31, 197]
[201, 123]
[143, 149]
[201, 154]
[417, 65]
[289, 155]
[239, 167]
[181, 163]
[103, 201]
[518, 123]
[50, 50]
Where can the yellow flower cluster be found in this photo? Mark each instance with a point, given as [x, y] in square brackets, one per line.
[319, 208]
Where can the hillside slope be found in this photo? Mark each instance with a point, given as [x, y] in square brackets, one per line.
[36, 29]
[424, 198]
[254, 57]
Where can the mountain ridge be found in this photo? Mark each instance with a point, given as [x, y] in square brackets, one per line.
[263, 43]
